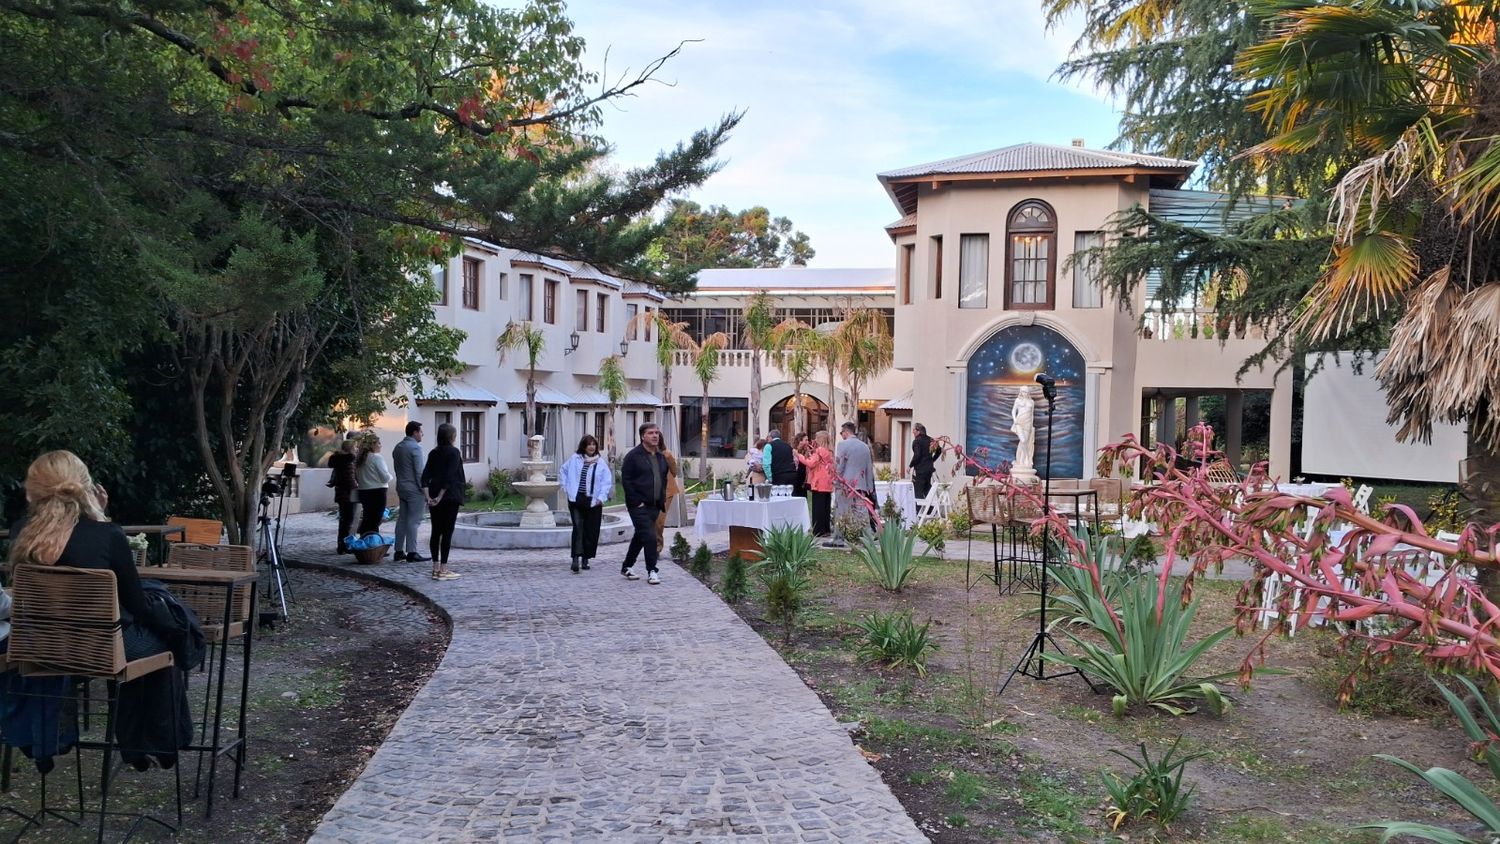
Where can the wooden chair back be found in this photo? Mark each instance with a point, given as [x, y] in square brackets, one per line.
[207, 602]
[202, 531]
[66, 620]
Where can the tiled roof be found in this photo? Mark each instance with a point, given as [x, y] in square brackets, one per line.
[1026, 157]
[637, 288]
[589, 272]
[905, 222]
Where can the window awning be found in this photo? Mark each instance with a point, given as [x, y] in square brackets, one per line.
[641, 398]
[901, 402]
[589, 395]
[457, 391]
[544, 395]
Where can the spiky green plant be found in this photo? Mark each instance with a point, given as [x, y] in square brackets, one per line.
[890, 556]
[784, 571]
[1155, 791]
[894, 639]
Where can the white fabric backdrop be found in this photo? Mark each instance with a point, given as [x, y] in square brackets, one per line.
[1344, 432]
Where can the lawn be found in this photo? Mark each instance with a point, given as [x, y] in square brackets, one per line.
[1285, 764]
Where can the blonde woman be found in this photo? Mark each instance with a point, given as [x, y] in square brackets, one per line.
[65, 526]
[374, 478]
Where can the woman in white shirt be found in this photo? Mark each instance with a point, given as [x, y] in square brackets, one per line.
[373, 478]
[586, 480]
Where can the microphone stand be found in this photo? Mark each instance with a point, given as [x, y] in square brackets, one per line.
[1031, 663]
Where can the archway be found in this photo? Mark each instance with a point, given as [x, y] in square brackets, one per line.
[783, 415]
[998, 369]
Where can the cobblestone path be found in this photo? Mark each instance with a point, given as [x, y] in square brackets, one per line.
[592, 708]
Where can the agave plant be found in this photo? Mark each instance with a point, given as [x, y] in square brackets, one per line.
[1144, 654]
[889, 555]
[784, 572]
[896, 640]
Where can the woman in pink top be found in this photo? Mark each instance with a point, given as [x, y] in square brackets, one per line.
[819, 462]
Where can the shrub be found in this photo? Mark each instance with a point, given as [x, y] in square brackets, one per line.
[734, 586]
[784, 572]
[680, 549]
[1138, 555]
[894, 639]
[852, 524]
[889, 556]
[499, 483]
[934, 533]
[702, 565]
[885, 473]
[890, 511]
[1155, 791]
[484, 496]
[1395, 683]
[960, 523]
[1146, 659]
[1447, 512]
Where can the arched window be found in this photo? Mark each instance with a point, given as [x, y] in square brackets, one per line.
[1031, 256]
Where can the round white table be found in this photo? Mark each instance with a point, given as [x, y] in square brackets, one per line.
[905, 494]
[746, 519]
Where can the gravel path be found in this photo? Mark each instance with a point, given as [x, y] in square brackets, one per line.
[592, 708]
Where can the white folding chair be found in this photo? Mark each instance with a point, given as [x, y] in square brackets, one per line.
[1362, 498]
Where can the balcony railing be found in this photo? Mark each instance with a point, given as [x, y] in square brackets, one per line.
[727, 357]
[1194, 324]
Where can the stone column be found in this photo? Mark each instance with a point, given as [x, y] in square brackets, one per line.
[1281, 427]
[1166, 420]
[1234, 422]
[1190, 416]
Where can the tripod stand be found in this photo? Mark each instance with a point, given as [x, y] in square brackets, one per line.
[268, 558]
[1031, 662]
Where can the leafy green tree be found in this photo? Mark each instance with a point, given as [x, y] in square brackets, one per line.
[694, 237]
[225, 205]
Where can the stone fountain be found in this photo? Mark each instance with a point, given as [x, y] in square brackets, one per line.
[537, 489]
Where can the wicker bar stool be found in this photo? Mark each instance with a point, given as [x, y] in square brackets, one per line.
[66, 622]
[208, 604]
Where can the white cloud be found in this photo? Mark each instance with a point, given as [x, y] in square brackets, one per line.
[834, 92]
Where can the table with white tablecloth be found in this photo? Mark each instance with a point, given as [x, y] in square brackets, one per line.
[745, 519]
[1312, 490]
[905, 494]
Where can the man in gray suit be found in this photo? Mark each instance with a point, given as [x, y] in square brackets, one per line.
[854, 463]
[408, 459]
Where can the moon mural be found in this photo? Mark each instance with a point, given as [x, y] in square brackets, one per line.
[1008, 361]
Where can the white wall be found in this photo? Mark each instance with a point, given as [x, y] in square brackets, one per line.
[1344, 432]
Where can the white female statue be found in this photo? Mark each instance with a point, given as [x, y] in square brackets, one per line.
[1023, 425]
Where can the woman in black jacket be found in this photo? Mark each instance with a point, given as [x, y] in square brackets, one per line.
[443, 482]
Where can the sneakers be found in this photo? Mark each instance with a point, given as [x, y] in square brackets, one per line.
[447, 575]
[652, 579]
[629, 574]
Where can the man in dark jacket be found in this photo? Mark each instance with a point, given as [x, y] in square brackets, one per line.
[923, 452]
[643, 476]
[783, 466]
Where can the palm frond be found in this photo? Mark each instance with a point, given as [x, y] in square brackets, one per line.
[1363, 280]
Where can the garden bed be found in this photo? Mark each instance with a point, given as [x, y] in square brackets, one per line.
[1284, 765]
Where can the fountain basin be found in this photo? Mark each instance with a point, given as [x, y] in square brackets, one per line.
[502, 529]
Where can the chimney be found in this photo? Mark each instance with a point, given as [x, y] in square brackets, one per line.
[1078, 142]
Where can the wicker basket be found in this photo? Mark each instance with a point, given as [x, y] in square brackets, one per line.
[371, 555]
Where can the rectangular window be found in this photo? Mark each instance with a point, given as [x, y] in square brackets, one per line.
[440, 281]
[500, 290]
[441, 417]
[630, 327]
[649, 323]
[973, 270]
[581, 318]
[549, 303]
[1030, 269]
[728, 421]
[500, 427]
[649, 416]
[471, 283]
[524, 294]
[601, 306]
[907, 253]
[632, 421]
[581, 422]
[599, 427]
[1086, 290]
[935, 246]
[468, 436]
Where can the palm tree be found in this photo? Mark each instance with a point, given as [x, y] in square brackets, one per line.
[705, 354]
[612, 382]
[523, 335]
[760, 320]
[865, 350]
[798, 344]
[827, 354]
[1408, 89]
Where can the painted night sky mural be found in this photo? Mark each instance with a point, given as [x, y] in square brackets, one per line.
[1006, 362]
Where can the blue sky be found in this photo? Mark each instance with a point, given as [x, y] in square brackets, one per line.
[834, 92]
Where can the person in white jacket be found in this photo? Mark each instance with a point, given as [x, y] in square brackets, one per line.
[586, 480]
[373, 478]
